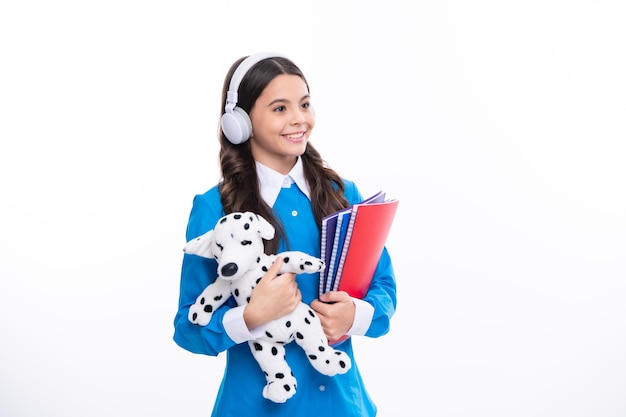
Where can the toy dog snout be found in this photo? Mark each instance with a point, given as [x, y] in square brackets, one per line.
[229, 269]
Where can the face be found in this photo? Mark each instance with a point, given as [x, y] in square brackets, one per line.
[282, 121]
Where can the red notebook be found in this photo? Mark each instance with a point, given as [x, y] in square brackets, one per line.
[365, 239]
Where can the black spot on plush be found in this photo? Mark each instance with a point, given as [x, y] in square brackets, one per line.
[238, 241]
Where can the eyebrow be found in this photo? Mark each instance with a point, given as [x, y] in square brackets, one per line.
[284, 100]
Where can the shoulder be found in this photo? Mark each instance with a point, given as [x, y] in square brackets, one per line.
[211, 196]
[351, 191]
[206, 210]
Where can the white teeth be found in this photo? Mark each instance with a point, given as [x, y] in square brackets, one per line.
[294, 136]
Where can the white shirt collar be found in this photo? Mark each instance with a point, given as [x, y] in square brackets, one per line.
[270, 181]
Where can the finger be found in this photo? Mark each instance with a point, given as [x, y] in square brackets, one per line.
[320, 307]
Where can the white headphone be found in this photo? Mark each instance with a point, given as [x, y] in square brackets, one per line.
[235, 122]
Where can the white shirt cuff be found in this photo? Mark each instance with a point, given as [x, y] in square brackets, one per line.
[236, 328]
[362, 317]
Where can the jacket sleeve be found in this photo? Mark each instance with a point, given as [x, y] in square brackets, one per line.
[382, 295]
[196, 274]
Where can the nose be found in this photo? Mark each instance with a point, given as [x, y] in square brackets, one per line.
[229, 269]
[298, 117]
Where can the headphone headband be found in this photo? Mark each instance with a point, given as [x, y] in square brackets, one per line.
[241, 71]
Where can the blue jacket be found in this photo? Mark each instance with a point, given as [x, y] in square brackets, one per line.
[240, 393]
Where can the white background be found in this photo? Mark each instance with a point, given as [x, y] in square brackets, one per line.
[500, 126]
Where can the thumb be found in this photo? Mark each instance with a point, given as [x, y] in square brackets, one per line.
[274, 269]
[329, 297]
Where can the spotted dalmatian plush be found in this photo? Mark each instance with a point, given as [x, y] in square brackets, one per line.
[236, 243]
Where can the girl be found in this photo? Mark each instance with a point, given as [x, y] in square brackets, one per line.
[268, 166]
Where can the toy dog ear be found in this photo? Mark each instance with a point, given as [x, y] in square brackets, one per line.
[201, 246]
[265, 228]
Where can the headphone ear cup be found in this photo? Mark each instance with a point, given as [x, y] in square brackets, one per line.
[236, 126]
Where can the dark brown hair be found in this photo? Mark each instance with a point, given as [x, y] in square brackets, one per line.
[239, 187]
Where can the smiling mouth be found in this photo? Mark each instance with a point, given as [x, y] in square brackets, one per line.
[295, 136]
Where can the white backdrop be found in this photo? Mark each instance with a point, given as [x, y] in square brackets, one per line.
[499, 125]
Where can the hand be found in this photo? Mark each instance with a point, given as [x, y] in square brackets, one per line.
[336, 311]
[273, 297]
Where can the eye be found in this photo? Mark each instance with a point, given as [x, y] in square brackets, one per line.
[279, 109]
[306, 105]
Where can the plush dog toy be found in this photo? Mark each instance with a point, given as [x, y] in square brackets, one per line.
[236, 243]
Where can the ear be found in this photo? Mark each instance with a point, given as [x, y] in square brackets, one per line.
[265, 228]
[201, 245]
